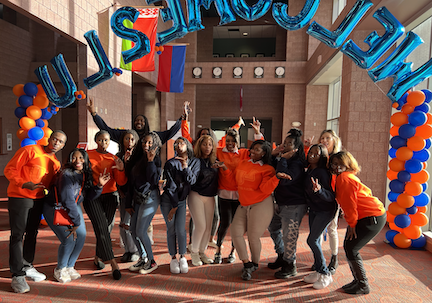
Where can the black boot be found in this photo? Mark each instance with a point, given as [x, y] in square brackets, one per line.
[289, 269]
[361, 286]
[333, 264]
[276, 264]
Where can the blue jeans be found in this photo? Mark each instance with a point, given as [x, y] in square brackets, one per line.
[126, 236]
[318, 221]
[287, 220]
[176, 229]
[140, 222]
[69, 249]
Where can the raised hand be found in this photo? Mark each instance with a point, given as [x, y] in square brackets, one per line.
[289, 154]
[277, 150]
[241, 121]
[183, 161]
[186, 109]
[256, 125]
[308, 141]
[128, 154]
[118, 164]
[90, 106]
[151, 154]
[315, 185]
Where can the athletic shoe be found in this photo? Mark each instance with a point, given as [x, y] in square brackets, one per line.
[184, 267]
[138, 265]
[149, 266]
[218, 258]
[174, 266]
[212, 244]
[134, 257]
[196, 260]
[62, 275]
[323, 281]
[33, 274]
[73, 273]
[312, 278]
[231, 258]
[205, 259]
[247, 271]
[126, 257]
[19, 284]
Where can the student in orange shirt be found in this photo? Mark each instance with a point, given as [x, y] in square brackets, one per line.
[29, 172]
[364, 213]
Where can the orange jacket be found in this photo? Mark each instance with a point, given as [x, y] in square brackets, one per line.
[30, 164]
[356, 199]
[255, 182]
[99, 163]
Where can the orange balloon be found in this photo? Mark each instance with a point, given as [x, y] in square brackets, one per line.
[46, 123]
[394, 131]
[41, 91]
[401, 241]
[391, 175]
[407, 109]
[422, 209]
[404, 153]
[17, 102]
[399, 119]
[429, 118]
[412, 232]
[419, 219]
[390, 217]
[395, 105]
[404, 200]
[48, 131]
[395, 209]
[43, 141]
[396, 165]
[394, 227]
[420, 177]
[413, 188]
[41, 101]
[34, 112]
[416, 143]
[21, 134]
[416, 98]
[27, 123]
[424, 131]
[424, 165]
[18, 90]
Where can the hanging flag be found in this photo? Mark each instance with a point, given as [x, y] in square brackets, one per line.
[171, 69]
[241, 98]
[146, 23]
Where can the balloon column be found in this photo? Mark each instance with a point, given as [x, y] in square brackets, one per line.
[411, 133]
[33, 112]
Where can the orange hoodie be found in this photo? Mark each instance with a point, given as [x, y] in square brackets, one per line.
[231, 160]
[356, 199]
[30, 164]
[255, 181]
[99, 163]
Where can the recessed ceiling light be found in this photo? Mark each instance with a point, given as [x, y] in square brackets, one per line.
[245, 34]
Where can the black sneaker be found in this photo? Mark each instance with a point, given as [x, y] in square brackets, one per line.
[149, 266]
[289, 269]
[247, 271]
[126, 257]
[217, 258]
[278, 263]
[138, 265]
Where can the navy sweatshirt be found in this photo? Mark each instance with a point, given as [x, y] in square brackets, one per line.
[207, 182]
[179, 180]
[290, 192]
[324, 199]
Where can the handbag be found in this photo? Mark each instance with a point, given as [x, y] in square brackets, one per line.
[140, 198]
[61, 216]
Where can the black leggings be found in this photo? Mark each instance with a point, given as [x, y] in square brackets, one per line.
[366, 229]
[227, 209]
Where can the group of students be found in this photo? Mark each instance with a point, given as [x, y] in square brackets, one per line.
[258, 188]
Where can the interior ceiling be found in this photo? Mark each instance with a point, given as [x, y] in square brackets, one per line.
[253, 31]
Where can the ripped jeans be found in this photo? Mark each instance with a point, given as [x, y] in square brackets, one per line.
[284, 229]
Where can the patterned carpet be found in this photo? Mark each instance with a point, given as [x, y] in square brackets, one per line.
[395, 275]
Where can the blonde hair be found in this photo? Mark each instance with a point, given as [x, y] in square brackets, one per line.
[197, 148]
[348, 160]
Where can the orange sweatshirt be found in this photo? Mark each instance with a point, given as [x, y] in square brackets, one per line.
[30, 164]
[99, 163]
[231, 160]
[255, 181]
[356, 199]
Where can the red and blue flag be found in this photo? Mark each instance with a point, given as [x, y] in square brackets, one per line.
[171, 69]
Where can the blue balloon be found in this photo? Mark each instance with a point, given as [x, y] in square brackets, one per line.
[428, 95]
[413, 166]
[20, 112]
[336, 39]
[65, 77]
[404, 176]
[402, 221]
[30, 89]
[425, 186]
[141, 41]
[403, 100]
[40, 123]
[25, 101]
[392, 152]
[421, 200]
[394, 66]
[27, 141]
[378, 45]
[36, 133]
[397, 142]
[422, 155]
[417, 118]
[412, 210]
[243, 10]
[428, 143]
[223, 8]
[419, 242]
[46, 115]
[397, 186]
[105, 69]
[392, 196]
[280, 14]
[390, 235]
[407, 131]
[173, 12]
[424, 107]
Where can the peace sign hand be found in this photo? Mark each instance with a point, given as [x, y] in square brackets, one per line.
[315, 185]
[256, 125]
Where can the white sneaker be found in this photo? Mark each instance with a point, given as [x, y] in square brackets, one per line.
[134, 257]
[138, 265]
[33, 274]
[62, 275]
[174, 266]
[196, 260]
[73, 273]
[19, 285]
[184, 267]
[323, 281]
[205, 259]
[312, 278]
